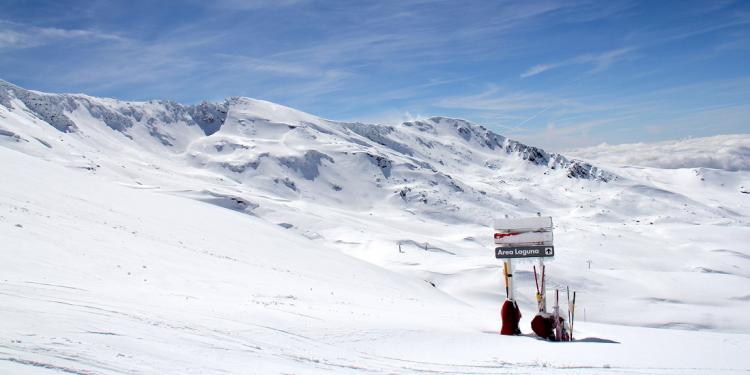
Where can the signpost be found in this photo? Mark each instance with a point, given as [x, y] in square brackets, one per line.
[521, 238]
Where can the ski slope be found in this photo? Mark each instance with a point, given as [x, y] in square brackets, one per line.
[107, 279]
[269, 243]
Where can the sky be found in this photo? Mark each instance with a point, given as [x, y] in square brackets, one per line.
[560, 74]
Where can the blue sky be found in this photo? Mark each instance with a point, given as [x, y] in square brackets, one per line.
[556, 73]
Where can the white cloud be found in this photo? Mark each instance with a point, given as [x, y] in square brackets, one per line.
[728, 152]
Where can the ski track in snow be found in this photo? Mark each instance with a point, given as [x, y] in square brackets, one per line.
[247, 237]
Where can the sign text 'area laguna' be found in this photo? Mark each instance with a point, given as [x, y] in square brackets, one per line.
[524, 252]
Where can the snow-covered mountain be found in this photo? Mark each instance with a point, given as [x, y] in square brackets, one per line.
[233, 225]
[271, 146]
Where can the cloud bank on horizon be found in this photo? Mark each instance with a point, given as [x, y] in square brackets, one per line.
[559, 74]
[728, 152]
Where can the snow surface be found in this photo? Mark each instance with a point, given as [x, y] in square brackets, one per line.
[248, 237]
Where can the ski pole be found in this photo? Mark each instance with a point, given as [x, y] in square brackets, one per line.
[538, 293]
[558, 328]
[544, 290]
[567, 294]
[573, 316]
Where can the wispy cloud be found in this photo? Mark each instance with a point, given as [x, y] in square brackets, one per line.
[135, 62]
[253, 4]
[17, 35]
[380, 38]
[538, 69]
[650, 37]
[10, 38]
[498, 100]
[598, 61]
[268, 65]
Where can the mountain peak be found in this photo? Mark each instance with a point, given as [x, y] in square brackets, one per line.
[258, 108]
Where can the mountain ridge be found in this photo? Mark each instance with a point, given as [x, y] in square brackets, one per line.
[121, 116]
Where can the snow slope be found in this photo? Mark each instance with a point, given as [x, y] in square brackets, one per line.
[245, 236]
[106, 279]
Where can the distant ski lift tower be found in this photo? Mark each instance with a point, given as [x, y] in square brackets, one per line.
[521, 238]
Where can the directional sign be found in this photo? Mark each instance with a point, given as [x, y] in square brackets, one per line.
[524, 252]
[528, 238]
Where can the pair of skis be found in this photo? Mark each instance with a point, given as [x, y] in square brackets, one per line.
[540, 287]
[559, 335]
